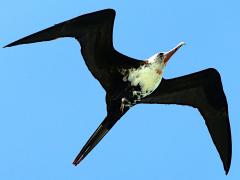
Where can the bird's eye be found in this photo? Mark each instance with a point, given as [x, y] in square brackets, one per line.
[161, 54]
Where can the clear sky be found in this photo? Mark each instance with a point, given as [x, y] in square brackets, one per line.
[50, 104]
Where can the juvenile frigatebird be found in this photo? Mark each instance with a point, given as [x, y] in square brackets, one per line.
[129, 81]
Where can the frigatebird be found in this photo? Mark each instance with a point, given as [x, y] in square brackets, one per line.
[128, 81]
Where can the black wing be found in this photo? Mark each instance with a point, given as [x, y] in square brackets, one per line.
[202, 90]
[94, 33]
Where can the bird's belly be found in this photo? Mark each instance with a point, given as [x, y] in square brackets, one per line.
[147, 80]
[147, 86]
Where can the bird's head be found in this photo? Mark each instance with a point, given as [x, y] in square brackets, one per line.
[163, 57]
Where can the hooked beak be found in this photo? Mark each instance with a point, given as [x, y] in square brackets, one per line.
[169, 54]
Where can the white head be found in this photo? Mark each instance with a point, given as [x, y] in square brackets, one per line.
[163, 57]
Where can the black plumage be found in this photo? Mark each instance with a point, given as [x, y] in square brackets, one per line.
[202, 90]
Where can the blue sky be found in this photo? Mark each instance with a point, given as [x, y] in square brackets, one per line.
[50, 103]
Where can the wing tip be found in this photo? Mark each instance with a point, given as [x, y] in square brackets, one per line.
[10, 45]
[227, 166]
[26, 40]
[46, 34]
[226, 160]
[226, 172]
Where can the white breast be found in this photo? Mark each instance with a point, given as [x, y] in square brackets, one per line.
[147, 76]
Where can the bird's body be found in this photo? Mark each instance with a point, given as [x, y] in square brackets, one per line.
[146, 78]
[128, 81]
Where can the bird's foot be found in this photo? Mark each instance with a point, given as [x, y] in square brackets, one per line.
[122, 107]
[125, 103]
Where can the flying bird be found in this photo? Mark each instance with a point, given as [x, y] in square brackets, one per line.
[128, 81]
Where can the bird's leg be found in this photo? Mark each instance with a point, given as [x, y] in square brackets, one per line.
[122, 104]
[125, 103]
[137, 96]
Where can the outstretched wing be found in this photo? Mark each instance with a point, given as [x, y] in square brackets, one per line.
[94, 33]
[202, 90]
